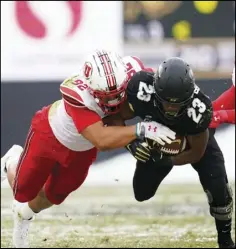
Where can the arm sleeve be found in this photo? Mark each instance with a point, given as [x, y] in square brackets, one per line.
[82, 116]
[226, 100]
[205, 121]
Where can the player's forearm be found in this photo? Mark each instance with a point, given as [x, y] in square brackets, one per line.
[185, 157]
[226, 100]
[115, 137]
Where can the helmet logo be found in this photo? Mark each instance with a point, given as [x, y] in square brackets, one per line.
[88, 69]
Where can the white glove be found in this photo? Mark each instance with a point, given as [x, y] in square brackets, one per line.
[155, 131]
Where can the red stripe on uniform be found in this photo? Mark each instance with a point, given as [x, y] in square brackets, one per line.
[22, 157]
[111, 69]
[71, 93]
[106, 68]
[71, 101]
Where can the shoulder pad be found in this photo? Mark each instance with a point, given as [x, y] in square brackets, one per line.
[135, 63]
[70, 90]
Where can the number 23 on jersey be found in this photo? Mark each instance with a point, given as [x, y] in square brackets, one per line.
[145, 92]
[197, 106]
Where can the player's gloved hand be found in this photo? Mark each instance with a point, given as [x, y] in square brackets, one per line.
[160, 159]
[155, 131]
[140, 150]
[220, 117]
[158, 156]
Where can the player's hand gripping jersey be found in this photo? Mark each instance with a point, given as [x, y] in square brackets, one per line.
[140, 94]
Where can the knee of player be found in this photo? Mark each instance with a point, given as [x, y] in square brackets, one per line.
[23, 192]
[221, 207]
[223, 212]
[55, 198]
[23, 196]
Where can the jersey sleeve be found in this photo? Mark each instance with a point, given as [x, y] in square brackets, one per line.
[207, 117]
[69, 92]
[139, 92]
[205, 120]
[82, 117]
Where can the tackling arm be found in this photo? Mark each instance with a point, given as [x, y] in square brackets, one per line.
[226, 101]
[90, 125]
[107, 138]
[221, 117]
[224, 108]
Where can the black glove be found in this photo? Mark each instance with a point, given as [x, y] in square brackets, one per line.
[160, 159]
[144, 150]
[140, 150]
[157, 156]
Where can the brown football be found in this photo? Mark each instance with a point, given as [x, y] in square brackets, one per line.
[177, 146]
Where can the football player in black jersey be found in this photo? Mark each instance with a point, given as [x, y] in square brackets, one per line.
[171, 97]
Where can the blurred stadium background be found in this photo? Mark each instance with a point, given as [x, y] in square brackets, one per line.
[44, 42]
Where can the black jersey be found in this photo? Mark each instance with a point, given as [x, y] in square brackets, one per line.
[140, 95]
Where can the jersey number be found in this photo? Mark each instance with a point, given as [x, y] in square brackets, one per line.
[80, 84]
[196, 104]
[144, 92]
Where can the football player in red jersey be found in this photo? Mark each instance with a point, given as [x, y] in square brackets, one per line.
[64, 137]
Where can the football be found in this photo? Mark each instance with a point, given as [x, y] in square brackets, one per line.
[177, 146]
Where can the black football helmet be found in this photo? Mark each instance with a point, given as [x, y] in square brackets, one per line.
[174, 88]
